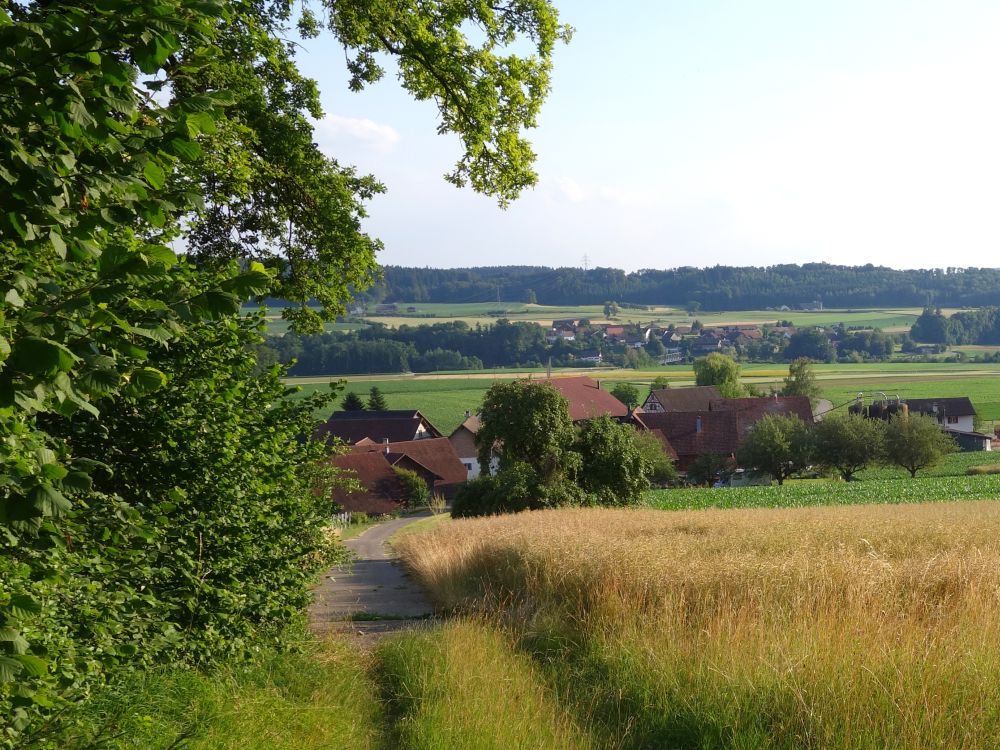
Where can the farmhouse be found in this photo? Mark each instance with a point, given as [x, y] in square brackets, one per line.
[377, 426]
[587, 399]
[956, 414]
[681, 399]
[718, 429]
[433, 459]
[463, 440]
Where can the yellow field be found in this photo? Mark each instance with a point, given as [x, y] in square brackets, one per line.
[825, 627]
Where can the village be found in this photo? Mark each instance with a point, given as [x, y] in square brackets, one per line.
[694, 426]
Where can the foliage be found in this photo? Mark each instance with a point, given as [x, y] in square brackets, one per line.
[352, 402]
[706, 468]
[515, 488]
[627, 393]
[614, 470]
[916, 442]
[659, 383]
[721, 371]
[848, 442]
[610, 310]
[528, 422]
[777, 445]
[716, 288]
[801, 380]
[810, 343]
[415, 490]
[376, 401]
[660, 469]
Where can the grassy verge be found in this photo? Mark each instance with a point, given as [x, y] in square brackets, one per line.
[838, 627]
[319, 698]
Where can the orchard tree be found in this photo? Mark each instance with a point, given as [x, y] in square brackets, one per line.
[659, 383]
[849, 442]
[627, 393]
[777, 445]
[613, 471]
[915, 442]
[610, 310]
[801, 380]
[721, 371]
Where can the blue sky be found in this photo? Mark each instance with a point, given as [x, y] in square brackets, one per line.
[713, 132]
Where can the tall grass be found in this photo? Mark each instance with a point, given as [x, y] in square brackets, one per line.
[463, 686]
[842, 627]
[319, 698]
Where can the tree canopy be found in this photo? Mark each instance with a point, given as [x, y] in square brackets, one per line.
[777, 445]
[915, 442]
[721, 371]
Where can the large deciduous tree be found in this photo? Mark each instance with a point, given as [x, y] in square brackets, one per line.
[801, 380]
[849, 442]
[777, 445]
[915, 442]
[720, 371]
[613, 470]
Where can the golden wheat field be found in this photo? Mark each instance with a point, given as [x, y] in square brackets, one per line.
[861, 626]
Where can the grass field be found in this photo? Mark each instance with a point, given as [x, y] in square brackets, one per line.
[479, 312]
[846, 627]
[444, 398]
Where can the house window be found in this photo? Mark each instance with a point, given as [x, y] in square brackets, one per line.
[952, 420]
[468, 467]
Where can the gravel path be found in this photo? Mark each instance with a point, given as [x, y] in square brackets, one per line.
[372, 596]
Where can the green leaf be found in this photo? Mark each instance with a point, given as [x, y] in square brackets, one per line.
[13, 299]
[49, 501]
[146, 380]
[40, 356]
[33, 665]
[57, 243]
[22, 605]
[9, 668]
[14, 638]
[154, 175]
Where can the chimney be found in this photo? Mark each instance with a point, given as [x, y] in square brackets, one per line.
[697, 424]
[385, 442]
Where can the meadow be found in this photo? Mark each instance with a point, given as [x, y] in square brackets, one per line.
[445, 397]
[836, 627]
[485, 312]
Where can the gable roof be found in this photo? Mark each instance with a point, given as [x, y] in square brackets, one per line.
[471, 424]
[587, 399]
[437, 455]
[959, 406]
[695, 398]
[354, 426]
[696, 433]
[381, 490]
[754, 408]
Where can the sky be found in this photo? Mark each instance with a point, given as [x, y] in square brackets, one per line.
[709, 132]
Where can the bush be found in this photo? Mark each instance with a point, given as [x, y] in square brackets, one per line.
[415, 490]
[983, 469]
[512, 490]
[660, 469]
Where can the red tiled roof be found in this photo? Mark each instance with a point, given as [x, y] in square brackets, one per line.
[587, 399]
[696, 433]
[754, 408]
[354, 426]
[472, 424]
[435, 454]
[695, 398]
[381, 491]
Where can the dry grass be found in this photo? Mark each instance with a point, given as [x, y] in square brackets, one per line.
[822, 627]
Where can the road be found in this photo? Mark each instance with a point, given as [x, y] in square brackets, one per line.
[373, 595]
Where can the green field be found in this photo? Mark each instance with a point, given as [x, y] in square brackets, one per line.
[444, 398]
[822, 492]
[480, 312]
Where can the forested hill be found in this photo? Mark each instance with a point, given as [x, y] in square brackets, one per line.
[716, 288]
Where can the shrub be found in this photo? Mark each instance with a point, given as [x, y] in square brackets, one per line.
[983, 469]
[660, 469]
[415, 491]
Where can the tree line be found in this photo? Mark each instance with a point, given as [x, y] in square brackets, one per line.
[715, 288]
[966, 327]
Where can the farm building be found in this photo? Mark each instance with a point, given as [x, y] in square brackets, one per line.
[463, 440]
[696, 398]
[377, 426]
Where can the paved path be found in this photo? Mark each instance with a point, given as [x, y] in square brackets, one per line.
[374, 586]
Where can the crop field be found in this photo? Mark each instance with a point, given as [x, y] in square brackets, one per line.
[817, 492]
[837, 627]
[481, 312]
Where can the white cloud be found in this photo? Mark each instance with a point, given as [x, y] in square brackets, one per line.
[336, 129]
